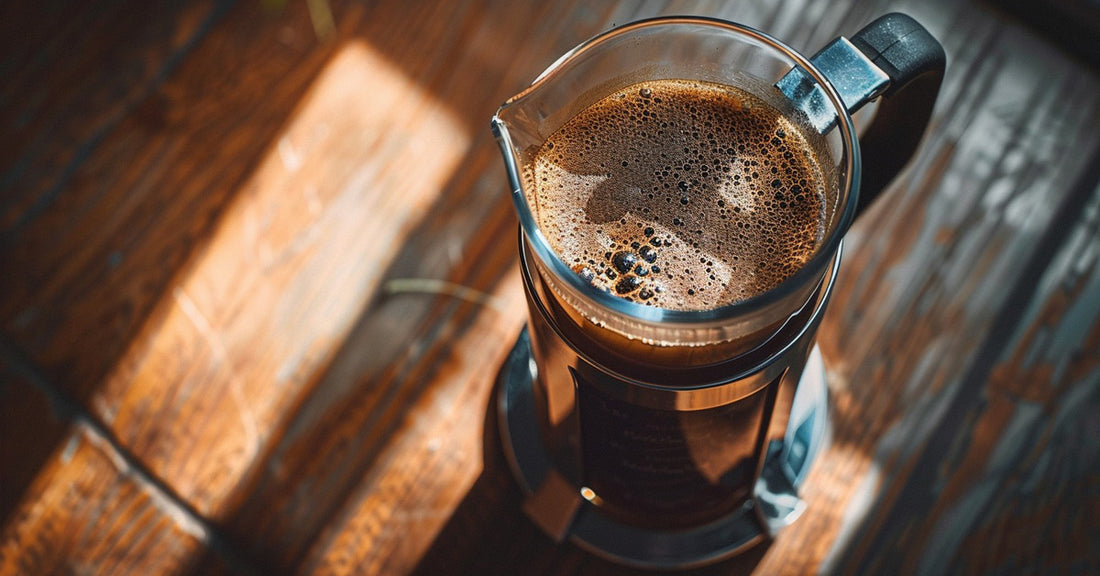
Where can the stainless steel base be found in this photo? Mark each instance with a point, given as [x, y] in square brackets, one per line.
[562, 510]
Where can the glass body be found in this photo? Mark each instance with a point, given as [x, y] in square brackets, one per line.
[662, 417]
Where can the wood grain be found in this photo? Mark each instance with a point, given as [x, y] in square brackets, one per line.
[1007, 481]
[266, 303]
[204, 203]
[343, 431]
[126, 173]
[87, 513]
[923, 296]
[53, 111]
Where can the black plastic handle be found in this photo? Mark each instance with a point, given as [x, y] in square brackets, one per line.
[915, 63]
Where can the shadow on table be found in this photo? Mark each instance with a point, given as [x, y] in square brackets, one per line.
[488, 534]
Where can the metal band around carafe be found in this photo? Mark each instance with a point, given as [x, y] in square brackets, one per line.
[698, 397]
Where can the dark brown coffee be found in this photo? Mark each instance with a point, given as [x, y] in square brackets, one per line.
[681, 194]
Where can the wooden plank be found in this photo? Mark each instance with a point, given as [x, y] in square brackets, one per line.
[122, 170]
[431, 455]
[928, 276]
[88, 512]
[54, 111]
[1007, 482]
[70, 502]
[395, 364]
[266, 303]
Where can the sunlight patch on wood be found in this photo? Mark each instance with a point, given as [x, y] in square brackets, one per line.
[290, 267]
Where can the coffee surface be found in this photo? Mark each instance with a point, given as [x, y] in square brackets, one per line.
[680, 194]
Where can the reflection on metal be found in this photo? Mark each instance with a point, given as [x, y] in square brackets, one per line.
[788, 461]
[856, 79]
[564, 510]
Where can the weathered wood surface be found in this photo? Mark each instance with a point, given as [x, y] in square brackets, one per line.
[202, 211]
[86, 510]
[72, 502]
[85, 514]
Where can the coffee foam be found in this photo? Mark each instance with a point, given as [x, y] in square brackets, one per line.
[680, 194]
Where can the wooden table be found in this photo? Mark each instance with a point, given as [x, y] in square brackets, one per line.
[212, 360]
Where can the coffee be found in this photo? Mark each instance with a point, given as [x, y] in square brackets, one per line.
[681, 194]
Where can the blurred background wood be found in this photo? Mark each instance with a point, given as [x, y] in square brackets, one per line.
[206, 367]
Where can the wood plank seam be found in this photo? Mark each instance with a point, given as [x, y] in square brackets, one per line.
[68, 410]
